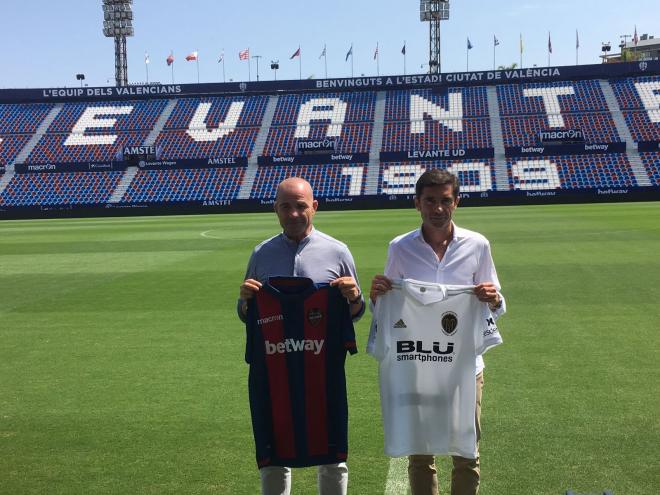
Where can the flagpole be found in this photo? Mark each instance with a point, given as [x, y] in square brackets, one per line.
[299, 63]
[467, 59]
[172, 64]
[404, 57]
[223, 66]
[494, 45]
[325, 60]
[577, 47]
[352, 74]
[521, 51]
[377, 60]
[146, 65]
[249, 73]
[197, 62]
[549, 45]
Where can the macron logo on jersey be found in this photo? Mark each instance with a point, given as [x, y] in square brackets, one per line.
[270, 319]
[292, 345]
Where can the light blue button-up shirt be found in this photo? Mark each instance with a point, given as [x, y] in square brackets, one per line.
[318, 256]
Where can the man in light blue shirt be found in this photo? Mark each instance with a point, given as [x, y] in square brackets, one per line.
[301, 251]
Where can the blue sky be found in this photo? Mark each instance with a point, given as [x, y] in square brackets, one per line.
[45, 43]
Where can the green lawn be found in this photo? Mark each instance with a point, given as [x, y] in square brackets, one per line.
[121, 358]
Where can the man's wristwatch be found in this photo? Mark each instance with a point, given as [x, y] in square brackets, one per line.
[357, 299]
[497, 305]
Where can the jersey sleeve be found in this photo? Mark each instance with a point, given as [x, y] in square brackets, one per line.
[249, 330]
[377, 345]
[488, 336]
[348, 330]
[250, 272]
[486, 273]
[375, 342]
[371, 340]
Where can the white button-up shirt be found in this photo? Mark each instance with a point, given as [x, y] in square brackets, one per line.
[467, 261]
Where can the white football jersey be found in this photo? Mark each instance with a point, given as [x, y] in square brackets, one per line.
[426, 337]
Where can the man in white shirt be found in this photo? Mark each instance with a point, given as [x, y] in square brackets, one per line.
[441, 252]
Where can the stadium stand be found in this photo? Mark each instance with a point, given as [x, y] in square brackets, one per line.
[400, 177]
[10, 147]
[327, 180]
[570, 172]
[203, 184]
[473, 102]
[424, 119]
[347, 107]
[639, 99]
[651, 163]
[65, 188]
[354, 138]
[345, 117]
[50, 152]
[212, 127]
[179, 144]
[22, 118]
[527, 109]
[130, 115]
[92, 146]
[551, 98]
[84, 132]
[251, 111]
[525, 130]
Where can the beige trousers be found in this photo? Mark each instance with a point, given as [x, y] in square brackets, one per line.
[465, 474]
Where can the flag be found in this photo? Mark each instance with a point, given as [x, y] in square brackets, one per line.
[577, 40]
[170, 59]
[191, 56]
[295, 54]
[635, 38]
[469, 45]
[549, 43]
[222, 57]
[403, 50]
[323, 52]
[376, 52]
[349, 53]
[146, 58]
[521, 44]
[495, 40]
[244, 55]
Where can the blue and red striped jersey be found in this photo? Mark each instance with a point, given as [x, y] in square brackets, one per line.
[298, 333]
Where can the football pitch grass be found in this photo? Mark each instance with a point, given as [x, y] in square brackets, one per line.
[122, 372]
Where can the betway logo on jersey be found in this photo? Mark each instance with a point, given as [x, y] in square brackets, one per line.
[293, 345]
[411, 350]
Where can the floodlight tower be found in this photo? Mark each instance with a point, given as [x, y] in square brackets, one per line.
[434, 11]
[118, 24]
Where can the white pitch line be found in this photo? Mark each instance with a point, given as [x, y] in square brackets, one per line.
[397, 477]
[208, 236]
